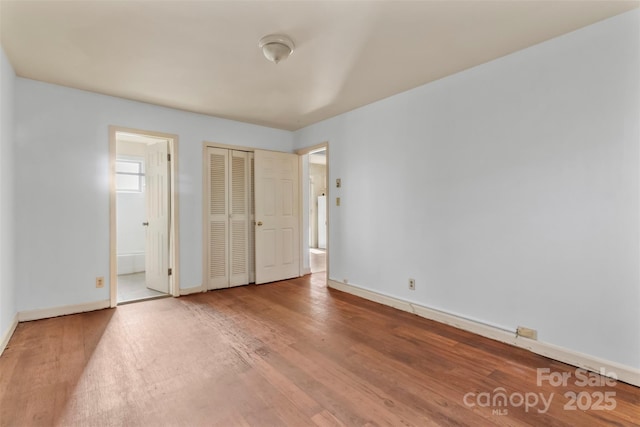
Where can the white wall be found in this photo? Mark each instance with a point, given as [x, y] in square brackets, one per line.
[7, 240]
[318, 175]
[129, 148]
[509, 191]
[62, 191]
[131, 210]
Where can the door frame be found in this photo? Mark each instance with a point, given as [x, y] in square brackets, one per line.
[174, 220]
[304, 210]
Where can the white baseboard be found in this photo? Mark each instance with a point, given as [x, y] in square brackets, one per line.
[623, 373]
[306, 271]
[188, 291]
[45, 313]
[7, 336]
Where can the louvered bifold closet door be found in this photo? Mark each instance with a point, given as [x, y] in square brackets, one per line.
[218, 232]
[239, 219]
[252, 222]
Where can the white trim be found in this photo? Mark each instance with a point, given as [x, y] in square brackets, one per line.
[309, 150]
[45, 313]
[7, 336]
[624, 373]
[113, 252]
[205, 222]
[174, 229]
[370, 295]
[208, 144]
[302, 210]
[193, 290]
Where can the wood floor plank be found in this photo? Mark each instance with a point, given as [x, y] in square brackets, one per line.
[326, 419]
[291, 353]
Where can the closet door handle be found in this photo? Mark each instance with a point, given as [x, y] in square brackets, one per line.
[146, 224]
[259, 223]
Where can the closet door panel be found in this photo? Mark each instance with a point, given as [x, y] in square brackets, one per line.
[239, 219]
[218, 221]
[252, 221]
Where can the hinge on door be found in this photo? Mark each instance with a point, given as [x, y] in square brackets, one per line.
[170, 271]
[168, 157]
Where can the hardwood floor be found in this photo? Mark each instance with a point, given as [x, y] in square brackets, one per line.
[289, 353]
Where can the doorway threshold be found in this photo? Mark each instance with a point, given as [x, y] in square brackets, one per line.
[131, 301]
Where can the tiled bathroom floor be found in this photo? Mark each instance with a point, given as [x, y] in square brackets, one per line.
[131, 287]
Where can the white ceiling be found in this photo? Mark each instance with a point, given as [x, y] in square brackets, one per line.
[202, 56]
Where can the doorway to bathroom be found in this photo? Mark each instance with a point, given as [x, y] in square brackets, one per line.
[143, 220]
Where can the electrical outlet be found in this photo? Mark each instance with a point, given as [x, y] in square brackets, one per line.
[527, 333]
[412, 284]
[345, 281]
[99, 282]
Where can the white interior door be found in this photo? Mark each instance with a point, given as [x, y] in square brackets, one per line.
[276, 215]
[157, 200]
[322, 222]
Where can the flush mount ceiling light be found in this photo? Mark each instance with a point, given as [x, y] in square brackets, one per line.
[276, 47]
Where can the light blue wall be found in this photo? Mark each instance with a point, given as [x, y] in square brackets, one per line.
[7, 237]
[62, 179]
[509, 191]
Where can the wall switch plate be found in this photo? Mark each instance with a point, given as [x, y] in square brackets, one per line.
[412, 284]
[527, 333]
[99, 282]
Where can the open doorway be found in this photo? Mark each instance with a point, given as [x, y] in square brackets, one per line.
[142, 216]
[315, 194]
[318, 211]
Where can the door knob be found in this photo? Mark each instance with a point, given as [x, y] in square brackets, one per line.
[259, 223]
[145, 223]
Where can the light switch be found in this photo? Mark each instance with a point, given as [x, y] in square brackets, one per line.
[338, 182]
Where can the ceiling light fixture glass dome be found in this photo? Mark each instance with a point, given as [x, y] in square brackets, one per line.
[276, 47]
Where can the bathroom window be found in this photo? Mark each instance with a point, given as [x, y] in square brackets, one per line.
[129, 176]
